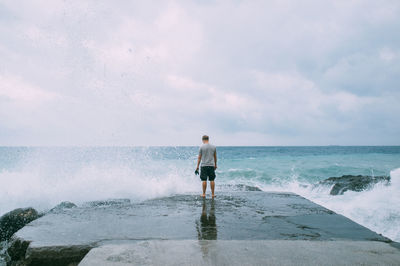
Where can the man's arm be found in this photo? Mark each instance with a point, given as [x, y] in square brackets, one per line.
[215, 159]
[198, 162]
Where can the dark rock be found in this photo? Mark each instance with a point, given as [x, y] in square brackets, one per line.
[248, 188]
[4, 257]
[17, 249]
[63, 205]
[239, 187]
[110, 202]
[14, 220]
[353, 183]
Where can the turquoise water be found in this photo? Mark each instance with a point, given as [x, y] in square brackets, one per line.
[307, 164]
[42, 177]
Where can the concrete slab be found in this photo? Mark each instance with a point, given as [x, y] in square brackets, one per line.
[67, 235]
[243, 252]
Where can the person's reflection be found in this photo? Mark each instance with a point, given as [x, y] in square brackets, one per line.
[207, 228]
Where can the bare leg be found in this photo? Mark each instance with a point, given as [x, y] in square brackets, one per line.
[204, 189]
[212, 183]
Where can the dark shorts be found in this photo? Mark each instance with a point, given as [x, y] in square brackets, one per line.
[207, 171]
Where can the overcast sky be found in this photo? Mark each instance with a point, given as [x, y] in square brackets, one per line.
[167, 72]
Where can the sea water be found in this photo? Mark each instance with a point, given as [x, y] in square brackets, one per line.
[43, 177]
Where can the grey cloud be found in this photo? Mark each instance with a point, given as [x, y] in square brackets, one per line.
[157, 73]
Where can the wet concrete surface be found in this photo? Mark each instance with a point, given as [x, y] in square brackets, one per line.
[254, 215]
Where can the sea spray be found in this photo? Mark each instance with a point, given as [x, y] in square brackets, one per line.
[91, 182]
[49, 176]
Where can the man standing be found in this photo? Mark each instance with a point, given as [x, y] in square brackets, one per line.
[208, 159]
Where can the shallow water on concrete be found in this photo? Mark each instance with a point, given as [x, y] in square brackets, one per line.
[235, 215]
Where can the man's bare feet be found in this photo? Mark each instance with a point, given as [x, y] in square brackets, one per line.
[203, 196]
[213, 196]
